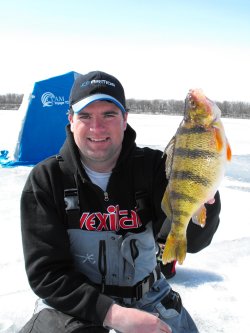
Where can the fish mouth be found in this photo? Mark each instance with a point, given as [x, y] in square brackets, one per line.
[194, 97]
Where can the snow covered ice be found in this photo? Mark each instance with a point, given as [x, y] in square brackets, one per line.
[214, 283]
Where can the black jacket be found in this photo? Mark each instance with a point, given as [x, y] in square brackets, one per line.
[49, 264]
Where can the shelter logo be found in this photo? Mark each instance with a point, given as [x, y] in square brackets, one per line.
[49, 99]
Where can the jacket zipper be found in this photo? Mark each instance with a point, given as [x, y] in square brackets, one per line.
[102, 263]
[106, 196]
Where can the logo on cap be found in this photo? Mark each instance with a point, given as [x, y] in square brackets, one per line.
[101, 82]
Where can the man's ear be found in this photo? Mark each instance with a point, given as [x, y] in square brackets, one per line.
[125, 116]
[70, 118]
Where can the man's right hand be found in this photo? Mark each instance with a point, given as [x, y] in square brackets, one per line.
[128, 320]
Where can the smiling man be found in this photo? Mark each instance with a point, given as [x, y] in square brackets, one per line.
[98, 120]
[90, 217]
[98, 131]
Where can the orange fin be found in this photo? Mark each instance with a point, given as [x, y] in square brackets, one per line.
[218, 139]
[200, 216]
[229, 152]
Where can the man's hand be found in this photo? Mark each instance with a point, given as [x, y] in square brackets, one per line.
[127, 320]
[211, 201]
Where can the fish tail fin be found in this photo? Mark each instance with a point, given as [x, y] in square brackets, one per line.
[175, 249]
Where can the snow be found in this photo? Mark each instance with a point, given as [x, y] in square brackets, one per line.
[213, 283]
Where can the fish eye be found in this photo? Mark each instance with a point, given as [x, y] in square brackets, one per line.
[192, 103]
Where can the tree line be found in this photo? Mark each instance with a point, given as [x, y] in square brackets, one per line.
[176, 107]
[10, 101]
[157, 106]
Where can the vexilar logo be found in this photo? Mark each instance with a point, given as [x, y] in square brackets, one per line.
[49, 99]
[113, 220]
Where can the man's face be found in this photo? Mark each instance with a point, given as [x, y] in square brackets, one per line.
[98, 131]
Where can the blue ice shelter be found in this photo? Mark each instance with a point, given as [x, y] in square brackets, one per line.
[43, 127]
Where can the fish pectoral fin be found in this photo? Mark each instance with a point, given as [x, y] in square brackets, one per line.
[229, 152]
[175, 249]
[200, 216]
[218, 139]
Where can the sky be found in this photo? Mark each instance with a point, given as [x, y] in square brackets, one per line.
[213, 284]
[158, 49]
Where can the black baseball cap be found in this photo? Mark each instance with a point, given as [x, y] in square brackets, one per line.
[96, 86]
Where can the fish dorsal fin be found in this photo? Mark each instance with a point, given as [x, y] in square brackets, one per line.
[165, 204]
[169, 151]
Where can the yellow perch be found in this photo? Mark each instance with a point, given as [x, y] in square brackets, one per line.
[195, 165]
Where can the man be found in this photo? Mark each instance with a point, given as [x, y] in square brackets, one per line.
[90, 217]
